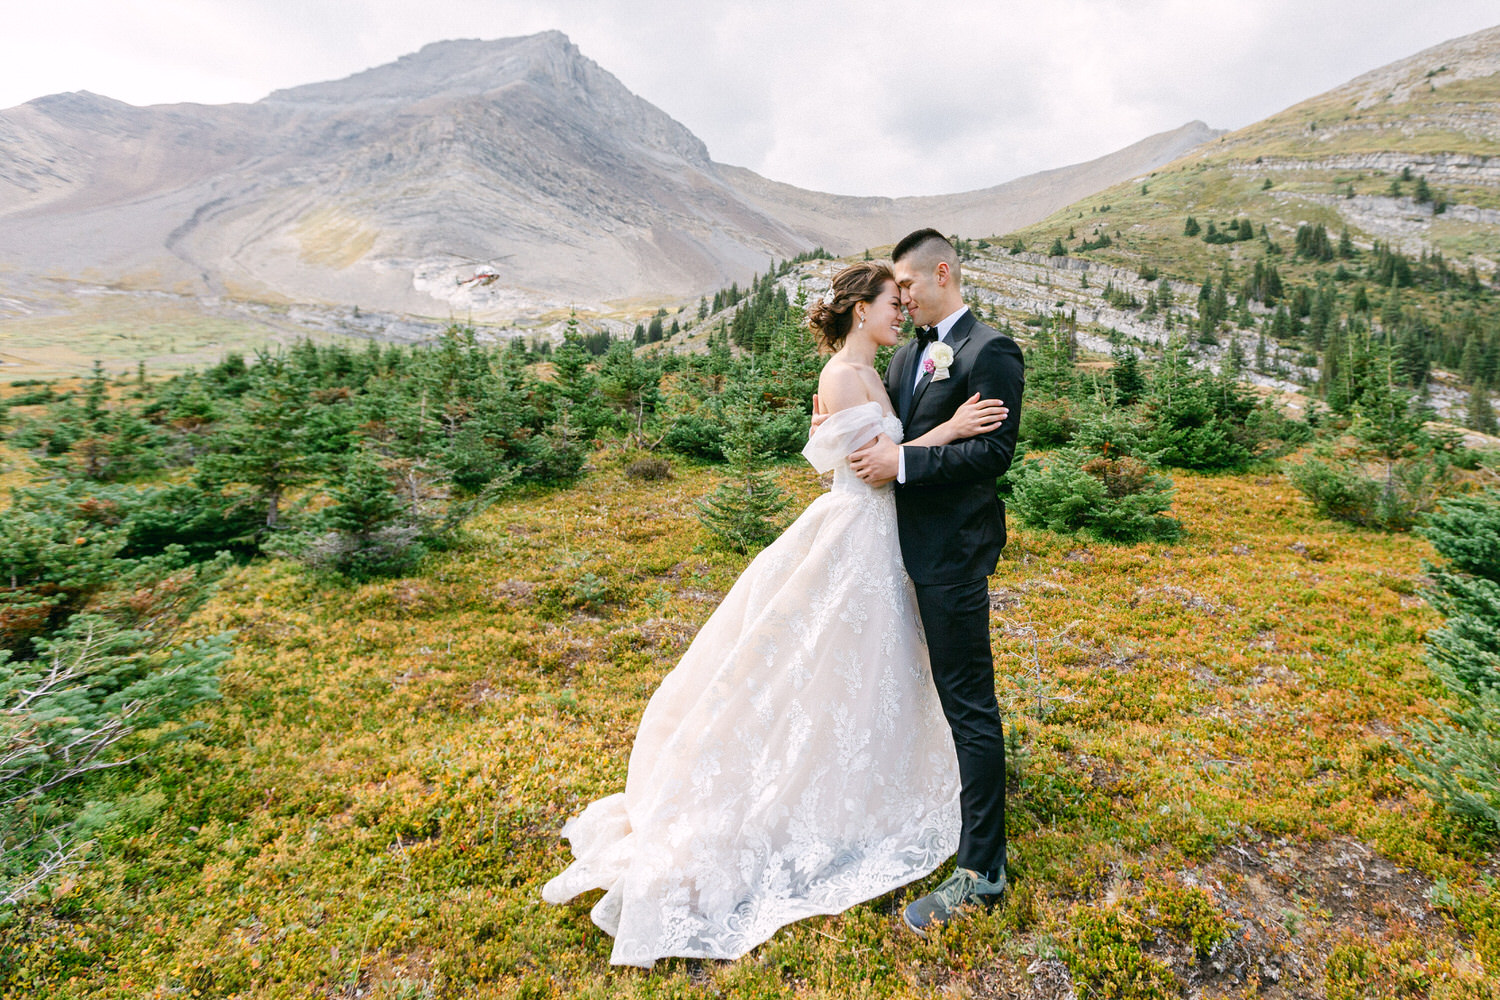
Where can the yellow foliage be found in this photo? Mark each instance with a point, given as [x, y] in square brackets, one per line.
[376, 802]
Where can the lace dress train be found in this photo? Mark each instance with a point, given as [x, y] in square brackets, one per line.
[796, 761]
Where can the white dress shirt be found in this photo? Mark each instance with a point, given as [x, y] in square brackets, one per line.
[944, 327]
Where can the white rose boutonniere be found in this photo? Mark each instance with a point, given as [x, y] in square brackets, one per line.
[938, 361]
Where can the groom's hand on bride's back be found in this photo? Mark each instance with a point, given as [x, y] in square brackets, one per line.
[877, 462]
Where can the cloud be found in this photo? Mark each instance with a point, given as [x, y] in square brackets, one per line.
[869, 97]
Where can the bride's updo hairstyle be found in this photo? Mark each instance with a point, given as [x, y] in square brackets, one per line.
[832, 317]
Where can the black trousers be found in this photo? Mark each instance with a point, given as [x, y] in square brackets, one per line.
[956, 618]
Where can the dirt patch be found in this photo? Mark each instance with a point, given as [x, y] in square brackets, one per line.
[1286, 904]
[1005, 599]
[1176, 595]
[412, 596]
[482, 691]
[666, 633]
[1291, 902]
[515, 592]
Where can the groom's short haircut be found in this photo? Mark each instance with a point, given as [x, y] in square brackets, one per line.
[926, 247]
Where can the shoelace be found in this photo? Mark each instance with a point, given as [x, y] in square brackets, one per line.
[960, 884]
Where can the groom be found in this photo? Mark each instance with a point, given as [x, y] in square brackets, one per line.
[952, 527]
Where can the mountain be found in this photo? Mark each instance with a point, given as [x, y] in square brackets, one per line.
[519, 157]
[1405, 159]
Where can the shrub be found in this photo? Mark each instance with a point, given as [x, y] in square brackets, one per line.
[1048, 423]
[1391, 498]
[1115, 500]
[55, 555]
[698, 435]
[1336, 491]
[369, 531]
[1112, 432]
[1105, 952]
[649, 469]
[553, 457]
[1122, 477]
[201, 519]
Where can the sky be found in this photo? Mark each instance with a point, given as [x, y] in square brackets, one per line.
[870, 98]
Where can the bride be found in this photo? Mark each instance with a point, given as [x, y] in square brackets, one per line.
[796, 761]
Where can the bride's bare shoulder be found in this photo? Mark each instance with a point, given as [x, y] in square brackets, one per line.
[840, 385]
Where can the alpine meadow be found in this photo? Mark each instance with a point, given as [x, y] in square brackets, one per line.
[320, 616]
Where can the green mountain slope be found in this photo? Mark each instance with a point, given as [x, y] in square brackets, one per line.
[1405, 159]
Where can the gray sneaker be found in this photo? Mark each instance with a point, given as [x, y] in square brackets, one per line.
[963, 888]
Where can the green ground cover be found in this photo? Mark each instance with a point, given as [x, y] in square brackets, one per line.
[1204, 791]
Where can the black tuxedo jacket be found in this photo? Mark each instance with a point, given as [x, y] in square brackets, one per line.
[951, 523]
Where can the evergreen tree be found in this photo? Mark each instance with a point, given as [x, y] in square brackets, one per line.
[1320, 316]
[1281, 324]
[1481, 412]
[575, 391]
[1191, 227]
[1458, 759]
[1197, 420]
[79, 708]
[94, 398]
[267, 445]
[630, 382]
[1388, 418]
[370, 530]
[743, 513]
[1312, 242]
[1234, 359]
[1390, 311]
[1129, 382]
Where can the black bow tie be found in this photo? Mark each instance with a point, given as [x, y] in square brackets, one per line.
[926, 335]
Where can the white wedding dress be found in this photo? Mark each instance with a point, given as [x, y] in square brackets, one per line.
[796, 761]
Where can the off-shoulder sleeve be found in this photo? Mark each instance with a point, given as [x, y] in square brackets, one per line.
[842, 433]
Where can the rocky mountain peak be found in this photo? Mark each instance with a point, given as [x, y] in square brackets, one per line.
[79, 108]
[547, 69]
[1470, 57]
[456, 68]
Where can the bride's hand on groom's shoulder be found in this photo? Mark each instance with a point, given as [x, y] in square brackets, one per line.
[820, 414]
